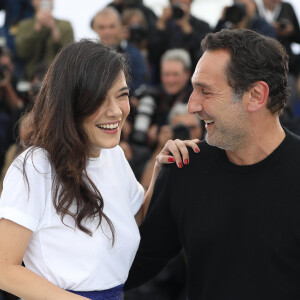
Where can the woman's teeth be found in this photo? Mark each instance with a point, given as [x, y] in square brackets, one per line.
[109, 126]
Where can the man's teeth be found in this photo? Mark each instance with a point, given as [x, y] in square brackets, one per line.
[109, 126]
[208, 121]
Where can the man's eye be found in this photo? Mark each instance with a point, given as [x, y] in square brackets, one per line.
[205, 92]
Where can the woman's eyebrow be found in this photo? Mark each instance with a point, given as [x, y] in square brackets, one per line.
[125, 88]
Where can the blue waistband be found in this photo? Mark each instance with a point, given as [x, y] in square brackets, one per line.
[111, 294]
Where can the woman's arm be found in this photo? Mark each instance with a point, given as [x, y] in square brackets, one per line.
[16, 279]
[173, 152]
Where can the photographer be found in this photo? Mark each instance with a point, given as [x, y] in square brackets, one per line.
[177, 28]
[107, 25]
[121, 5]
[135, 29]
[282, 17]
[154, 104]
[243, 14]
[38, 39]
[11, 105]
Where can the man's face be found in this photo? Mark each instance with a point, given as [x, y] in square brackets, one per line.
[42, 4]
[174, 77]
[108, 27]
[185, 3]
[226, 119]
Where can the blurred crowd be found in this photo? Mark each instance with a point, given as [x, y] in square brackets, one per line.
[162, 53]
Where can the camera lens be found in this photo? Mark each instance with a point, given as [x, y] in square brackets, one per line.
[235, 13]
[137, 33]
[142, 121]
[178, 13]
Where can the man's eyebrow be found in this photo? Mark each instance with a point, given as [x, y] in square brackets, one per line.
[201, 84]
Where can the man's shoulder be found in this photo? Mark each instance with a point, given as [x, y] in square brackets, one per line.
[198, 22]
[131, 49]
[292, 140]
[206, 152]
[63, 23]
[206, 158]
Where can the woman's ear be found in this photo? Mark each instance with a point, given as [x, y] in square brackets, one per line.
[259, 95]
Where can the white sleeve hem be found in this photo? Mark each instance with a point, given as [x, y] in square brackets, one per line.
[19, 217]
[138, 199]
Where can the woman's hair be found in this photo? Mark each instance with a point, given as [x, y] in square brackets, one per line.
[74, 87]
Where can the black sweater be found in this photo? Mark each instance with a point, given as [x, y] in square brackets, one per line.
[239, 225]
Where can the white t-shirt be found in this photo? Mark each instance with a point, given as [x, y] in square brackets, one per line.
[64, 255]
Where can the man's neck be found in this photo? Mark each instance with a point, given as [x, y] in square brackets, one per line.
[262, 141]
[269, 5]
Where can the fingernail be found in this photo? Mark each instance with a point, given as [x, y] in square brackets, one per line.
[180, 165]
[186, 161]
[171, 159]
[199, 141]
[197, 150]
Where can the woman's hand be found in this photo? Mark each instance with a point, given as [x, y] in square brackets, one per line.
[176, 152]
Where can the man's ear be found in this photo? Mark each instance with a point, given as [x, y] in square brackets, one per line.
[259, 95]
[92, 23]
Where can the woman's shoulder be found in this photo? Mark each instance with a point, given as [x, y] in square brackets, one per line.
[114, 153]
[33, 156]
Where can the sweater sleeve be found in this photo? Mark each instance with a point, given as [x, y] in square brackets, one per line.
[159, 235]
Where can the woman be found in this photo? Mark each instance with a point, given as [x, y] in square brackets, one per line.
[70, 202]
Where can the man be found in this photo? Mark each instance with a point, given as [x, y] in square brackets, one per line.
[38, 39]
[107, 25]
[235, 208]
[179, 116]
[175, 73]
[281, 15]
[243, 14]
[175, 88]
[178, 28]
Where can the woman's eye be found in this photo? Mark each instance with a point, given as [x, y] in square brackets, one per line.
[124, 95]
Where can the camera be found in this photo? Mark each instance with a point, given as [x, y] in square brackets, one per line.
[132, 3]
[144, 113]
[234, 14]
[181, 132]
[3, 68]
[178, 12]
[283, 23]
[137, 33]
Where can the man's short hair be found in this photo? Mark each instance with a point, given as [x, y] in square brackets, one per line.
[178, 55]
[254, 57]
[106, 11]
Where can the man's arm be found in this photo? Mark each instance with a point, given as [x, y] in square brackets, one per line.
[159, 236]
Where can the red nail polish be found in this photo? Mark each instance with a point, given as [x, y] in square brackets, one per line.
[171, 159]
[186, 161]
[197, 150]
[180, 165]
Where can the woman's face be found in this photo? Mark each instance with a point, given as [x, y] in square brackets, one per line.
[103, 128]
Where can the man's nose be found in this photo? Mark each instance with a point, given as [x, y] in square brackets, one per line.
[194, 104]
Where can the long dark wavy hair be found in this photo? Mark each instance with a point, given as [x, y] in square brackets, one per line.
[74, 87]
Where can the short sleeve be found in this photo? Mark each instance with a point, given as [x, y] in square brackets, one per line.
[135, 189]
[23, 197]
